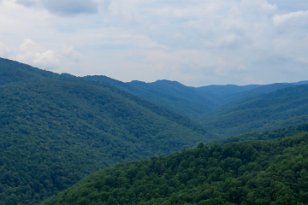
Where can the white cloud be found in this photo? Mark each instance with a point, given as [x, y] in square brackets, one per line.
[33, 53]
[292, 16]
[196, 42]
[4, 51]
[63, 7]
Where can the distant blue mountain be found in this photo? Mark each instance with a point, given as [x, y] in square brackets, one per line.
[225, 109]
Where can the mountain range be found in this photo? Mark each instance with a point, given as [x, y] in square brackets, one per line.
[246, 172]
[225, 110]
[56, 129]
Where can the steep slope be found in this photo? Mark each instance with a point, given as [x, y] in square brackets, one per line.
[12, 71]
[198, 103]
[194, 102]
[175, 96]
[224, 94]
[170, 94]
[261, 111]
[253, 172]
[55, 129]
[228, 109]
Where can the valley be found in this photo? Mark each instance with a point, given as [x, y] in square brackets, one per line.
[56, 129]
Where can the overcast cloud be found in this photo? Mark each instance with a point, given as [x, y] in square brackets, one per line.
[195, 42]
[63, 7]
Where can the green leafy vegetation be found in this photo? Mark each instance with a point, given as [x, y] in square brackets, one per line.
[228, 109]
[188, 101]
[56, 129]
[251, 172]
[280, 108]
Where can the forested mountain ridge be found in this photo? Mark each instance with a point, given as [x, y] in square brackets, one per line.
[13, 71]
[55, 129]
[228, 109]
[249, 172]
[195, 102]
[170, 94]
[279, 108]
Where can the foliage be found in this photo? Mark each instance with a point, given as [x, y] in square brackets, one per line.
[56, 129]
[170, 94]
[280, 108]
[227, 109]
[255, 172]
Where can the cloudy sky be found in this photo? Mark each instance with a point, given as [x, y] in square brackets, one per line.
[197, 42]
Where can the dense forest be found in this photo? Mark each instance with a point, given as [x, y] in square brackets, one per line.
[227, 109]
[263, 172]
[279, 108]
[56, 129]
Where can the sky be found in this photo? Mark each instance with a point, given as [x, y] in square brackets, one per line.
[196, 42]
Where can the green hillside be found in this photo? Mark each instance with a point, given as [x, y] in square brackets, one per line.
[55, 129]
[275, 109]
[250, 172]
[225, 110]
[194, 102]
[170, 94]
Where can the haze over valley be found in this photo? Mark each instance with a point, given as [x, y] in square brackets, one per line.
[151, 102]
